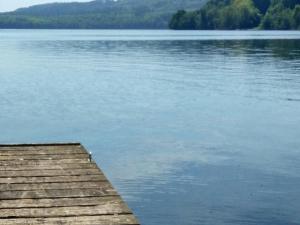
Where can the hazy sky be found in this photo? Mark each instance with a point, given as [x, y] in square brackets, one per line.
[9, 5]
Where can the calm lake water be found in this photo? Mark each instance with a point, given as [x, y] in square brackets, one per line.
[192, 128]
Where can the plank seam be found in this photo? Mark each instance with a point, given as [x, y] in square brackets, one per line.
[44, 217]
[59, 207]
[62, 182]
[86, 196]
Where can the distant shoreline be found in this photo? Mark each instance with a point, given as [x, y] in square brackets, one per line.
[167, 29]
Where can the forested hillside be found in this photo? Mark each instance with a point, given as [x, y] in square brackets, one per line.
[241, 14]
[99, 14]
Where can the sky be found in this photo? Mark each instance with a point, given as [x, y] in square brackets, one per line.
[10, 5]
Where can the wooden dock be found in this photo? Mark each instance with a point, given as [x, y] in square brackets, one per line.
[56, 184]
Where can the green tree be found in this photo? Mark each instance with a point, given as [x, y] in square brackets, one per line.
[176, 19]
[241, 14]
[278, 17]
[296, 17]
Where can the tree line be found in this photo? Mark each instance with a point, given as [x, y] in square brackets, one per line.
[98, 14]
[240, 14]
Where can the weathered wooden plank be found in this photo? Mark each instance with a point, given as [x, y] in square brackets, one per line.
[50, 186]
[104, 208]
[104, 190]
[59, 202]
[49, 173]
[11, 152]
[40, 147]
[43, 157]
[78, 220]
[47, 166]
[57, 179]
[43, 162]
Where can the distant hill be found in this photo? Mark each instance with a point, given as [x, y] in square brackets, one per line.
[241, 14]
[97, 14]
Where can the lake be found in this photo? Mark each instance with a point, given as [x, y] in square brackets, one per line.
[191, 127]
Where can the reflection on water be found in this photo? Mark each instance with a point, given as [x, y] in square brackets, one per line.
[191, 129]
